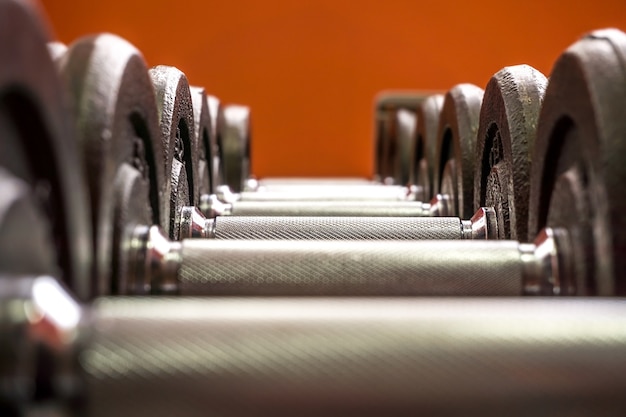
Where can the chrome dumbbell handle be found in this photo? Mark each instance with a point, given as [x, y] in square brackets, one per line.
[374, 268]
[312, 356]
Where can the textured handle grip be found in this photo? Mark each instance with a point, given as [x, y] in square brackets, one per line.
[357, 357]
[375, 192]
[330, 208]
[338, 228]
[232, 267]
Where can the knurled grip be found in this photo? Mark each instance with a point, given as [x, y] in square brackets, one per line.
[330, 208]
[338, 228]
[360, 193]
[356, 357]
[334, 268]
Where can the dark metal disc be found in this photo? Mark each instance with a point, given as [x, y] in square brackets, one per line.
[506, 135]
[117, 126]
[423, 160]
[578, 169]
[456, 141]
[235, 134]
[215, 108]
[405, 142]
[37, 141]
[178, 136]
[207, 142]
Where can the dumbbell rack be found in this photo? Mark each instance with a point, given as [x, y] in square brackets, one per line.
[144, 272]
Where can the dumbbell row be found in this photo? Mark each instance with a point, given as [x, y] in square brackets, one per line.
[131, 184]
[134, 356]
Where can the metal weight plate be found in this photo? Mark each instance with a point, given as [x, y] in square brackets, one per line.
[405, 142]
[386, 146]
[506, 135]
[218, 168]
[117, 126]
[456, 141]
[207, 142]
[37, 143]
[423, 159]
[234, 124]
[579, 174]
[180, 144]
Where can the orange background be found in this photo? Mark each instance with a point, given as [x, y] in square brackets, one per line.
[310, 69]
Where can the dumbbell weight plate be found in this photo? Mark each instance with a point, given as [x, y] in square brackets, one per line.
[118, 131]
[506, 135]
[234, 132]
[578, 173]
[456, 141]
[405, 141]
[180, 143]
[37, 139]
[423, 154]
[203, 131]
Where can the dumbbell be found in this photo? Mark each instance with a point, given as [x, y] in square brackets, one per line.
[205, 266]
[135, 356]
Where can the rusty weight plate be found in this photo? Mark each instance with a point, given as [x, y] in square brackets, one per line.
[37, 141]
[118, 132]
[579, 171]
[506, 135]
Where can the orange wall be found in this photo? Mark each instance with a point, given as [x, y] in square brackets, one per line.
[310, 69]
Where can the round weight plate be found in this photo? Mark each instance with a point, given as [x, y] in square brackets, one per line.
[423, 159]
[217, 174]
[234, 128]
[37, 140]
[203, 130]
[405, 142]
[456, 141]
[117, 126]
[176, 119]
[578, 174]
[506, 135]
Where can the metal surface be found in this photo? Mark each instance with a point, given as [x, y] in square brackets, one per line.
[337, 228]
[423, 158]
[119, 138]
[317, 208]
[208, 151]
[37, 140]
[365, 357]
[456, 142]
[578, 175]
[234, 126]
[386, 105]
[358, 193]
[506, 136]
[405, 142]
[308, 356]
[180, 143]
[351, 268]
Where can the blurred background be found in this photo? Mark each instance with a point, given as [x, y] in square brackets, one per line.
[310, 69]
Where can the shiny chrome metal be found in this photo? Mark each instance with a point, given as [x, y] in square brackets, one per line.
[482, 225]
[309, 356]
[193, 224]
[154, 261]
